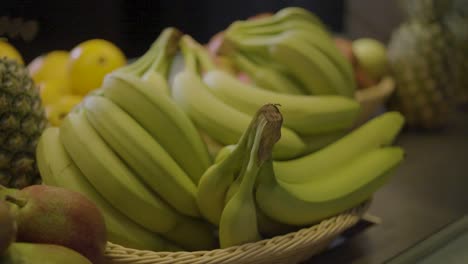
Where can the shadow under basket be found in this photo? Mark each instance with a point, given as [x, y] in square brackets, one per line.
[290, 248]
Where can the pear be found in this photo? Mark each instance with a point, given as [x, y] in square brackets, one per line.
[21, 253]
[54, 215]
[8, 227]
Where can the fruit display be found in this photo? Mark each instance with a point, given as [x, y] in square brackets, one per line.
[171, 152]
[424, 85]
[22, 122]
[65, 77]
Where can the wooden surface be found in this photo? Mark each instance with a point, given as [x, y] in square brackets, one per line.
[428, 192]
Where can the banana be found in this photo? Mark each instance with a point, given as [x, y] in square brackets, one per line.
[238, 223]
[379, 131]
[163, 119]
[142, 154]
[313, 35]
[285, 14]
[305, 115]
[58, 169]
[219, 177]
[333, 192]
[223, 123]
[107, 173]
[264, 77]
[309, 65]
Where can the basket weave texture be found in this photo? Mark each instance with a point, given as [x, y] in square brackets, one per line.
[290, 248]
[373, 99]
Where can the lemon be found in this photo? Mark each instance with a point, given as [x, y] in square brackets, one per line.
[52, 65]
[57, 111]
[9, 51]
[51, 90]
[90, 61]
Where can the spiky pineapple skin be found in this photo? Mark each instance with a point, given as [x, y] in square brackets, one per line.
[22, 120]
[419, 59]
[420, 53]
[457, 25]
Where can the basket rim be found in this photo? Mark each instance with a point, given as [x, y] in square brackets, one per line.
[380, 91]
[305, 237]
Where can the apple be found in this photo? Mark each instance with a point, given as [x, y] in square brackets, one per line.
[371, 55]
[345, 45]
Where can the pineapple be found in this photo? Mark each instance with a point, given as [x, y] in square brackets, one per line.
[457, 24]
[22, 120]
[420, 53]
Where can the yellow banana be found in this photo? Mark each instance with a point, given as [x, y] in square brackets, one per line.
[379, 131]
[305, 115]
[335, 191]
[58, 169]
[142, 154]
[123, 189]
[221, 122]
[162, 118]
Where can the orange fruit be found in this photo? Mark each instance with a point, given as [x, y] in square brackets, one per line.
[90, 61]
[52, 65]
[9, 51]
[51, 90]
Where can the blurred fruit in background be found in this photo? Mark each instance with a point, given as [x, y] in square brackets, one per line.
[63, 77]
[52, 65]
[9, 51]
[57, 111]
[51, 90]
[90, 61]
[368, 57]
[371, 56]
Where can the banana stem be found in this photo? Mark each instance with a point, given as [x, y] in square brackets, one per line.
[267, 131]
[167, 48]
[190, 61]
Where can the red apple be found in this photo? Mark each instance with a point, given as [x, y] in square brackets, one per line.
[345, 45]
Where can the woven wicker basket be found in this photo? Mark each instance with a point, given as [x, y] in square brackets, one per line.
[291, 248]
[373, 99]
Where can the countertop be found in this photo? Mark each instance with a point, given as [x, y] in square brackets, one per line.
[427, 193]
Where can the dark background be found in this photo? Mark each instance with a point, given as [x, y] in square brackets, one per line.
[134, 25]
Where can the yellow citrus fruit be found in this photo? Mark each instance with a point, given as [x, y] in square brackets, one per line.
[90, 61]
[9, 51]
[51, 90]
[57, 111]
[52, 65]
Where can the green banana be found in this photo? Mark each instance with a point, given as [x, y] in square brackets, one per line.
[335, 191]
[267, 227]
[310, 66]
[285, 14]
[162, 119]
[238, 223]
[219, 177]
[305, 115]
[142, 154]
[313, 35]
[58, 169]
[377, 132]
[220, 121]
[123, 189]
[264, 77]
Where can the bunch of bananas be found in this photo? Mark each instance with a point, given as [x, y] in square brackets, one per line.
[292, 59]
[141, 147]
[135, 153]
